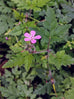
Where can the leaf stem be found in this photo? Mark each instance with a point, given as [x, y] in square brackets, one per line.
[16, 38]
[48, 53]
[34, 19]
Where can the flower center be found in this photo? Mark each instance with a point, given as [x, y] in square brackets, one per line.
[32, 37]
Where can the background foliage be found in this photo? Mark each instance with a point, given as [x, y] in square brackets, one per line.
[29, 75]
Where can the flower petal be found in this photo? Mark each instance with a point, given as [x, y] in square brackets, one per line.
[6, 38]
[27, 39]
[33, 41]
[37, 37]
[33, 33]
[27, 35]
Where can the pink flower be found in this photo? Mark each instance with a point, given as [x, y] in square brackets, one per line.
[6, 38]
[31, 37]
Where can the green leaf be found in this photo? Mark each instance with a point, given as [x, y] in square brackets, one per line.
[4, 8]
[51, 28]
[60, 33]
[69, 94]
[57, 97]
[42, 89]
[16, 31]
[16, 60]
[19, 59]
[28, 61]
[1, 56]
[61, 58]
[16, 72]
[51, 22]
[28, 4]
[72, 81]
[6, 17]
[16, 49]
[68, 10]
